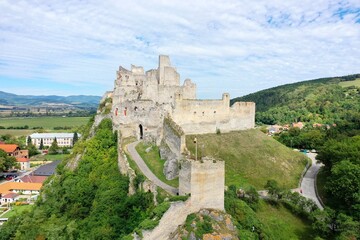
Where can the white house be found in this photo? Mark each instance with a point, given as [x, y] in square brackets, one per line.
[9, 198]
[24, 163]
[62, 139]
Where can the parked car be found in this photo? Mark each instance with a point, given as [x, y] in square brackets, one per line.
[8, 178]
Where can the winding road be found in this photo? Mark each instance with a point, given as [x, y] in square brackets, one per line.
[308, 182]
[146, 171]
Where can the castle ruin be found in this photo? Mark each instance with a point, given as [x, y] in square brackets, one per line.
[142, 100]
[153, 106]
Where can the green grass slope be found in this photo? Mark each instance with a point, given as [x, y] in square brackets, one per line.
[154, 162]
[251, 158]
[355, 83]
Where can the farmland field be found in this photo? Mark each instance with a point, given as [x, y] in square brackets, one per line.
[44, 122]
[63, 124]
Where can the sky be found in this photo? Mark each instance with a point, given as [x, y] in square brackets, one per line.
[74, 47]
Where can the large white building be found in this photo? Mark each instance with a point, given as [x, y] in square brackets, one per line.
[62, 139]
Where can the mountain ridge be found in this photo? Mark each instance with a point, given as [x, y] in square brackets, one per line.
[11, 99]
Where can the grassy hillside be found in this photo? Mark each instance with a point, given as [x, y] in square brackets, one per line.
[327, 100]
[251, 158]
[154, 162]
[355, 83]
[283, 224]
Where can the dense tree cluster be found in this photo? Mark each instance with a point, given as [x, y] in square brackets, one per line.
[316, 101]
[322, 101]
[90, 202]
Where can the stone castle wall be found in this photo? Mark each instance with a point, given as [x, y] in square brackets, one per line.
[143, 99]
[205, 181]
[174, 137]
[206, 116]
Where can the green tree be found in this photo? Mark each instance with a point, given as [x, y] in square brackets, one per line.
[32, 150]
[41, 144]
[6, 162]
[29, 141]
[273, 187]
[344, 183]
[335, 151]
[75, 138]
[30, 146]
[348, 228]
[324, 221]
[54, 147]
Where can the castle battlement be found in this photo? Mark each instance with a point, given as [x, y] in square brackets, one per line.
[142, 99]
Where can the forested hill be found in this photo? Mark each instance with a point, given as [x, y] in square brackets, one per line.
[325, 100]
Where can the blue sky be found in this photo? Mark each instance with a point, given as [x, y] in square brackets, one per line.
[75, 47]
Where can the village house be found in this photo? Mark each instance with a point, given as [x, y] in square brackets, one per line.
[62, 139]
[9, 198]
[299, 125]
[274, 129]
[24, 163]
[31, 179]
[20, 187]
[21, 156]
[12, 150]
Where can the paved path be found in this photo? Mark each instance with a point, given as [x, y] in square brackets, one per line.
[308, 182]
[146, 171]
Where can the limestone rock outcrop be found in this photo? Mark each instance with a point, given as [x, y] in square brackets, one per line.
[207, 224]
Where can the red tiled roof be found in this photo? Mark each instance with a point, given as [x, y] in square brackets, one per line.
[33, 179]
[9, 148]
[22, 160]
[8, 186]
[24, 153]
[10, 195]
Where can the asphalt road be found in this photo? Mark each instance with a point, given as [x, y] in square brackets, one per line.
[308, 182]
[146, 171]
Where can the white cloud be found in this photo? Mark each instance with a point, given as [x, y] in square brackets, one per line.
[242, 46]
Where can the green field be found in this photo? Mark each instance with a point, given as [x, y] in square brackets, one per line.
[49, 157]
[44, 122]
[282, 223]
[17, 210]
[355, 83]
[16, 132]
[155, 163]
[251, 158]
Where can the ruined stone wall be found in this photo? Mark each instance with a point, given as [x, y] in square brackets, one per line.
[185, 178]
[174, 137]
[167, 74]
[129, 115]
[206, 116]
[147, 97]
[207, 184]
[205, 181]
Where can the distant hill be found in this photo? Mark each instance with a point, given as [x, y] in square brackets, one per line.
[29, 100]
[325, 100]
